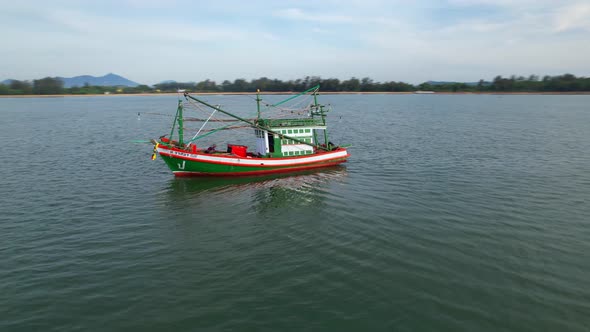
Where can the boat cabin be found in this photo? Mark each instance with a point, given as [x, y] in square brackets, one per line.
[288, 137]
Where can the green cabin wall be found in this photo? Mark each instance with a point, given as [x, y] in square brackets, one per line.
[278, 147]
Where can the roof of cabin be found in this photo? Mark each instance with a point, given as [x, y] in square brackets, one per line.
[291, 122]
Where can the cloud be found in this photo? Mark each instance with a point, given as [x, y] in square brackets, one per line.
[112, 28]
[558, 16]
[575, 16]
[297, 14]
[300, 15]
[150, 41]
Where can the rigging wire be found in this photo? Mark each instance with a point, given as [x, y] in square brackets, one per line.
[298, 107]
[204, 124]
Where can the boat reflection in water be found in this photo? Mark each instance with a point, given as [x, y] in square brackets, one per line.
[261, 193]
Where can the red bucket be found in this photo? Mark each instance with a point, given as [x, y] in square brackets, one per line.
[239, 150]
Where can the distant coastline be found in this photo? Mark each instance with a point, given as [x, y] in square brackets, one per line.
[293, 93]
[112, 84]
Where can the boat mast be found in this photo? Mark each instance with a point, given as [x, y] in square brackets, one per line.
[178, 119]
[180, 124]
[258, 103]
[323, 115]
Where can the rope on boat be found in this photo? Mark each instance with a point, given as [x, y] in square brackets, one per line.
[152, 113]
[212, 120]
[204, 124]
[229, 127]
[293, 109]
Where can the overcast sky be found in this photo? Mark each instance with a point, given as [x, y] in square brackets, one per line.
[149, 41]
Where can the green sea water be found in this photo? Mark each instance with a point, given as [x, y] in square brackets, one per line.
[454, 213]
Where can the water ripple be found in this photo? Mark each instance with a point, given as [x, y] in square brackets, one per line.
[454, 213]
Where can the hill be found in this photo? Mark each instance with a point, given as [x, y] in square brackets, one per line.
[106, 80]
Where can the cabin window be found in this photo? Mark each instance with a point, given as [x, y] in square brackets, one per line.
[307, 130]
[290, 131]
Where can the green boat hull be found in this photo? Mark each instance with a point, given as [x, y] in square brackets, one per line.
[187, 166]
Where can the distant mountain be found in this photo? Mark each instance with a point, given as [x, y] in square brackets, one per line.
[175, 82]
[7, 82]
[106, 80]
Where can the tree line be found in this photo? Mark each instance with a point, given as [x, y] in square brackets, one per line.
[533, 83]
[560, 83]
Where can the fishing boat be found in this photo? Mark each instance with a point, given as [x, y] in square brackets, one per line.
[295, 142]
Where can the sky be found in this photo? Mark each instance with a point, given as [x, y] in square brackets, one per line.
[149, 41]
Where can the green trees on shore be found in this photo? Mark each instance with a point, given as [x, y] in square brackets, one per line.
[48, 86]
[561, 83]
[275, 85]
[44, 86]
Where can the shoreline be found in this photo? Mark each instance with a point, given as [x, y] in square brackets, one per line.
[572, 93]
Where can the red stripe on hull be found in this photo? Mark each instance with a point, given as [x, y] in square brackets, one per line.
[193, 157]
[199, 153]
[262, 172]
